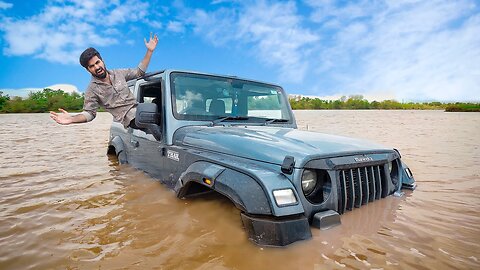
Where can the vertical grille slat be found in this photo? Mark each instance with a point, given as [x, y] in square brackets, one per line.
[378, 182]
[372, 185]
[342, 205]
[351, 192]
[361, 185]
[366, 191]
[383, 181]
[358, 185]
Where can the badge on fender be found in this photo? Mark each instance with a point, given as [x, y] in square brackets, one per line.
[173, 155]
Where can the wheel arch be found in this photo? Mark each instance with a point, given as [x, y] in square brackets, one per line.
[117, 147]
[240, 188]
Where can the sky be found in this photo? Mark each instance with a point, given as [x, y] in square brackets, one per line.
[408, 50]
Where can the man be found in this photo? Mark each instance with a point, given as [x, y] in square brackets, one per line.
[108, 88]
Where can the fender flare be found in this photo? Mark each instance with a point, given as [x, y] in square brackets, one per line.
[118, 145]
[241, 189]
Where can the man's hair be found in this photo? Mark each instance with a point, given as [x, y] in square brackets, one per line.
[87, 55]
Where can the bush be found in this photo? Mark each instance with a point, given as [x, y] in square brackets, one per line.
[43, 101]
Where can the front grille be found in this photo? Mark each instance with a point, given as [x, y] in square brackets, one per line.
[358, 186]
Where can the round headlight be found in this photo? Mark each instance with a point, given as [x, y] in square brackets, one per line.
[393, 170]
[309, 181]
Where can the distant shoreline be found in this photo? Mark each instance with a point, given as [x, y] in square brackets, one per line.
[51, 100]
[359, 103]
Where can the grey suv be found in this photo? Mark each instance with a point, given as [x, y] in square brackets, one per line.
[238, 137]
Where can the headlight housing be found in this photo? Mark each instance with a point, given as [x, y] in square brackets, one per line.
[316, 185]
[309, 181]
[393, 170]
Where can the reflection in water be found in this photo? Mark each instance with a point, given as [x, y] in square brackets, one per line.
[65, 204]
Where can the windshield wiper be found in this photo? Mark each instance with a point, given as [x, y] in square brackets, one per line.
[274, 120]
[221, 119]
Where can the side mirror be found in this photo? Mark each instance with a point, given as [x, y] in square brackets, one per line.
[147, 117]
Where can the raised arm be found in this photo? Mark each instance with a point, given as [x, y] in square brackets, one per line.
[151, 45]
[64, 118]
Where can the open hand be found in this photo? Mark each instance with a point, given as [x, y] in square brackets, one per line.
[63, 118]
[152, 42]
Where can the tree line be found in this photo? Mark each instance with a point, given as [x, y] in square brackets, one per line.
[357, 102]
[41, 101]
[50, 100]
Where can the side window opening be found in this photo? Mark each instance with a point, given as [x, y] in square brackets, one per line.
[151, 93]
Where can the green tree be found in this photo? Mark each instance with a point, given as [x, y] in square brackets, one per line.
[3, 100]
[44, 101]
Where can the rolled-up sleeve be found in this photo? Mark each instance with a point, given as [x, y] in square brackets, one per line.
[88, 115]
[90, 105]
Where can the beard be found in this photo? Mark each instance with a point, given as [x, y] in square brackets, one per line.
[100, 73]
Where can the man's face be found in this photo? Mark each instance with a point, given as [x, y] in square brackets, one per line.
[96, 67]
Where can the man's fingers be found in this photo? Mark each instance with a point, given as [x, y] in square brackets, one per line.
[54, 116]
[62, 110]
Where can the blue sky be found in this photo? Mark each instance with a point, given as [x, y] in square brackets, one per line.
[408, 50]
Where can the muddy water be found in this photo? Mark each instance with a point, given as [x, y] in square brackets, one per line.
[65, 205]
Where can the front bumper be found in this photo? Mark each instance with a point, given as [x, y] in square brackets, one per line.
[268, 231]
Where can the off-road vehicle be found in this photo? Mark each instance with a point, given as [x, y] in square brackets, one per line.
[238, 137]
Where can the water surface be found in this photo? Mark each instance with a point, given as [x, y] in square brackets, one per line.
[64, 204]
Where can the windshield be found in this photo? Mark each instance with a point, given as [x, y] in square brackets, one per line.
[205, 97]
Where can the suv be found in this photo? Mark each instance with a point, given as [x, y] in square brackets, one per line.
[238, 137]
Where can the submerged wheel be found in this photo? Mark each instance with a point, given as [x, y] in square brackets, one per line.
[122, 157]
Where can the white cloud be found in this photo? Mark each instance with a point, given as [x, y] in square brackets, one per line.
[278, 35]
[131, 10]
[216, 2]
[176, 27]
[273, 31]
[409, 49]
[154, 24]
[23, 40]
[63, 29]
[217, 27]
[329, 11]
[67, 88]
[5, 5]
[421, 50]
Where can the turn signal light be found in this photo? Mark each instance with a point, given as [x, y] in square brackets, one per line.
[207, 181]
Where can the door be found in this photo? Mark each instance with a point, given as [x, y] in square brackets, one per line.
[147, 153]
